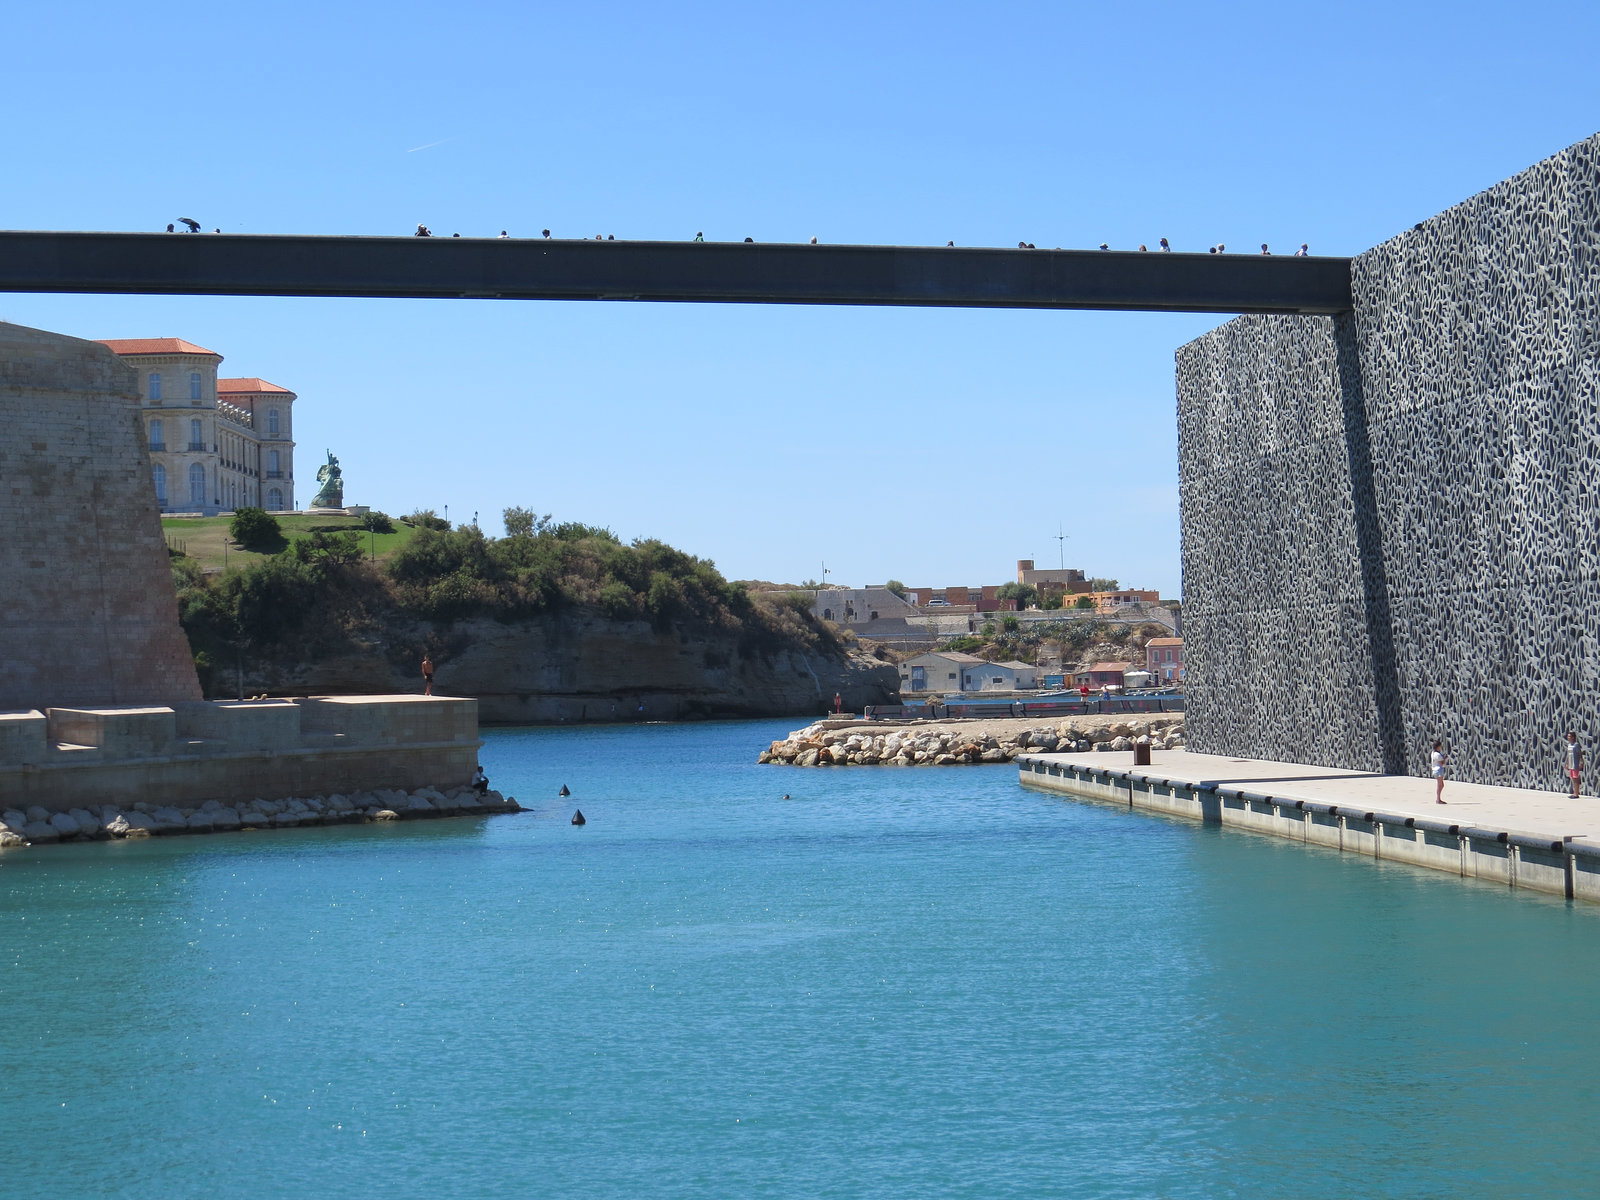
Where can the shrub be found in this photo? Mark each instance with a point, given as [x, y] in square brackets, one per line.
[1010, 624]
[377, 522]
[1083, 602]
[426, 518]
[255, 528]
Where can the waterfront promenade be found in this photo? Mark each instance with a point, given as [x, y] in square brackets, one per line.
[1545, 841]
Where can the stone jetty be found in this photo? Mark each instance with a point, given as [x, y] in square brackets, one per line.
[854, 743]
[37, 826]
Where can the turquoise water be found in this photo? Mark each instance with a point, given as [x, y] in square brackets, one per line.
[895, 983]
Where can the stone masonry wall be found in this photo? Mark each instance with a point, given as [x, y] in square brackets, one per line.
[90, 615]
[1391, 520]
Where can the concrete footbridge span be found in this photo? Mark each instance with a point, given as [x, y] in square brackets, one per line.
[706, 272]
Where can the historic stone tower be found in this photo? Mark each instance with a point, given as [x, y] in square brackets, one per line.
[89, 617]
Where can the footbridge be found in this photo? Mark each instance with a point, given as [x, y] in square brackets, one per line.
[707, 272]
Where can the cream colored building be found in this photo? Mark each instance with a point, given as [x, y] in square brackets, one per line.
[215, 444]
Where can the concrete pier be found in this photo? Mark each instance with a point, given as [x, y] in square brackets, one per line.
[1544, 841]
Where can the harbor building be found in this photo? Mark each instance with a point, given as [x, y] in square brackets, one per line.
[215, 444]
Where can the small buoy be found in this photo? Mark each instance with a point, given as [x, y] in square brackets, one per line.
[563, 791]
[786, 795]
[577, 818]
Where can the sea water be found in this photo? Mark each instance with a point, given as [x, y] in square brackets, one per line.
[741, 980]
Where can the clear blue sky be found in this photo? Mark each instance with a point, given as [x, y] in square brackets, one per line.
[935, 446]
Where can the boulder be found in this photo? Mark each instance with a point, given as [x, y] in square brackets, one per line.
[118, 826]
[807, 758]
[285, 820]
[41, 815]
[211, 806]
[138, 824]
[169, 819]
[1101, 747]
[14, 819]
[87, 822]
[386, 814]
[10, 839]
[1121, 743]
[64, 825]
[200, 822]
[41, 832]
[253, 817]
[225, 820]
[992, 756]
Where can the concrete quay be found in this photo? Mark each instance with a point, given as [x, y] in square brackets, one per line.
[234, 751]
[1544, 841]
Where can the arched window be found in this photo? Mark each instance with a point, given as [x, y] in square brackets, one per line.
[158, 436]
[160, 473]
[155, 385]
[274, 499]
[272, 464]
[194, 385]
[272, 421]
[196, 441]
[197, 485]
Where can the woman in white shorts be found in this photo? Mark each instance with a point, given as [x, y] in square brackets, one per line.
[1438, 761]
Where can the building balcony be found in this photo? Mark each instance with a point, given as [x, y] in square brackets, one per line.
[155, 446]
[274, 474]
[197, 446]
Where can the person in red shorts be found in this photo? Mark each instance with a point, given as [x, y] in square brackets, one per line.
[1574, 762]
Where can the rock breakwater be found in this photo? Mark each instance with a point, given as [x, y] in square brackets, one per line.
[959, 743]
[37, 826]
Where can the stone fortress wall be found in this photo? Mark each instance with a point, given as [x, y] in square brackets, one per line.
[1391, 518]
[90, 615]
[99, 701]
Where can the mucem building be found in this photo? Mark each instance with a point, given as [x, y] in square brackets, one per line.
[1391, 518]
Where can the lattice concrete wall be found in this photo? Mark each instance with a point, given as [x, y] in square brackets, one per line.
[89, 616]
[1391, 520]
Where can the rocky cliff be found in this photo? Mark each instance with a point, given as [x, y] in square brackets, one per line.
[581, 666]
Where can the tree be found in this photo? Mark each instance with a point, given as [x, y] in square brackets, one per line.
[523, 522]
[1083, 602]
[255, 528]
[1025, 594]
[377, 522]
[898, 588]
[1103, 585]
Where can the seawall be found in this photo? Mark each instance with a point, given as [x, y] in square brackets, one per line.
[1520, 838]
[233, 752]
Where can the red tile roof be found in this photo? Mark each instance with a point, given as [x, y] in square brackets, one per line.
[155, 346]
[1164, 642]
[248, 384]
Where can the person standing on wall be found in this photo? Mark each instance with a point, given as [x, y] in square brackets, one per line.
[1574, 762]
[427, 675]
[1438, 761]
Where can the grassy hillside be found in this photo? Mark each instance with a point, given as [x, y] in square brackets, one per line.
[203, 538]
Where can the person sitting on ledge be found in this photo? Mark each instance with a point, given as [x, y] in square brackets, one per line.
[480, 781]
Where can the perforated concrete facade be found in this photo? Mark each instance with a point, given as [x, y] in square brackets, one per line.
[1391, 519]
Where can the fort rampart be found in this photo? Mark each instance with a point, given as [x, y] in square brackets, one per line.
[99, 701]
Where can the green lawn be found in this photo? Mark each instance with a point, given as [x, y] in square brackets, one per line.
[206, 540]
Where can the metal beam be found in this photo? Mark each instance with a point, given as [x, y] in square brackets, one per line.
[714, 272]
